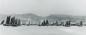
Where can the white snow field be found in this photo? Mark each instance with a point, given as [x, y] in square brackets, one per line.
[42, 30]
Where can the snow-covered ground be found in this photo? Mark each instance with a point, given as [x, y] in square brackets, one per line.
[42, 30]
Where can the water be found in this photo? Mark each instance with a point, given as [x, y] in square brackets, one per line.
[42, 30]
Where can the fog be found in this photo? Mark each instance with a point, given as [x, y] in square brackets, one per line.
[43, 7]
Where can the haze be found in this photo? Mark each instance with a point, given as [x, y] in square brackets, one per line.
[43, 7]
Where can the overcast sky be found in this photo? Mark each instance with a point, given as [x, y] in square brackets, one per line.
[43, 7]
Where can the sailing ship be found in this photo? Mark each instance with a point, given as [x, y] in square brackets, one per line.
[11, 21]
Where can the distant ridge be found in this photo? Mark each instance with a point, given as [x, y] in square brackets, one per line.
[52, 17]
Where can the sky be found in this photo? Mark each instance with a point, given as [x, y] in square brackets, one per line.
[43, 7]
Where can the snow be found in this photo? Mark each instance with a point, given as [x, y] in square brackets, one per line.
[42, 30]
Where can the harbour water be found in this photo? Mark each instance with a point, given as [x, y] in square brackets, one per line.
[42, 30]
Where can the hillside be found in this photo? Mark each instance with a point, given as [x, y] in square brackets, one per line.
[52, 18]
